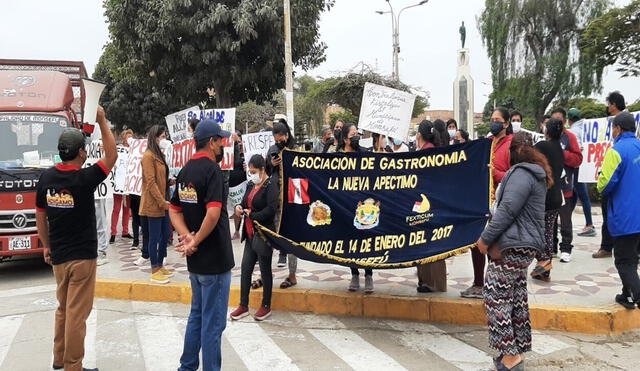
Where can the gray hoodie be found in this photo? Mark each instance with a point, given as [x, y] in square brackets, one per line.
[518, 220]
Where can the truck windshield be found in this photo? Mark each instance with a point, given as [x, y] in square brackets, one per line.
[29, 140]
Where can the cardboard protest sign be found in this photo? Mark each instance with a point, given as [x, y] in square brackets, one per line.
[120, 170]
[94, 154]
[227, 119]
[133, 180]
[597, 138]
[178, 124]
[256, 143]
[236, 194]
[386, 111]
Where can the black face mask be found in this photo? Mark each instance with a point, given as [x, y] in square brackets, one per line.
[337, 133]
[281, 145]
[355, 142]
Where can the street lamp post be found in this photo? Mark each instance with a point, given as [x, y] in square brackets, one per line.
[395, 34]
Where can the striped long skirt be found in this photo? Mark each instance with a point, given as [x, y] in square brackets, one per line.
[506, 302]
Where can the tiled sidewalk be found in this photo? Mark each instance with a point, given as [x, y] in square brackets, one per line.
[583, 282]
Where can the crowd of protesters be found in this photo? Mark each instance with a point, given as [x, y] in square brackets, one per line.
[535, 188]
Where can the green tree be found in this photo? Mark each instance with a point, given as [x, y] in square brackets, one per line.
[613, 39]
[635, 106]
[533, 47]
[235, 47]
[589, 107]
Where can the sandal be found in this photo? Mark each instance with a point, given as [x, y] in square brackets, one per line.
[256, 284]
[542, 272]
[287, 283]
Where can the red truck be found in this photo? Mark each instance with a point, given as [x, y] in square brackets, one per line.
[38, 100]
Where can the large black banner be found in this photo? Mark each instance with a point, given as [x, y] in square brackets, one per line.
[383, 210]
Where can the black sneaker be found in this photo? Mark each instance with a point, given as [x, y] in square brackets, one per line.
[112, 240]
[625, 301]
[282, 261]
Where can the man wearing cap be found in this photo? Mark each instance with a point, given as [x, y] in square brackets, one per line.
[619, 181]
[199, 215]
[66, 221]
[580, 190]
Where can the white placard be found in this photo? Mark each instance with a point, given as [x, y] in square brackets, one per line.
[120, 170]
[94, 154]
[178, 124]
[236, 194]
[597, 138]
[257, 143]
[133, 180]
[226, 117]
[386, 111]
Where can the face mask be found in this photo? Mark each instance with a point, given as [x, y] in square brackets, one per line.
[397, 142]
[517, 125]
[164, 144]
[496, 128]
[281, 145]
[337, 133]
[254, 178]
[452, 133]
[355, 141]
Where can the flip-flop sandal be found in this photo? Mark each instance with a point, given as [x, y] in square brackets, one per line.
[287, 283]
[256, 284]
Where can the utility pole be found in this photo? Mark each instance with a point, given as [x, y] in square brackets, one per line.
[288, 65]
[395, 35]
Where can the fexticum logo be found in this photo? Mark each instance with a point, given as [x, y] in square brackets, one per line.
[421, 208]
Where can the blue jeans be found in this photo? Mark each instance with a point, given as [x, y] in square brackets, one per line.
[207, 321]
[583, 194]
[158, 237]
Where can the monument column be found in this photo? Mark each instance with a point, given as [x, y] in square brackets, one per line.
[463, 89]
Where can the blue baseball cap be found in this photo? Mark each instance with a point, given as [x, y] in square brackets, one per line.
[209, 128]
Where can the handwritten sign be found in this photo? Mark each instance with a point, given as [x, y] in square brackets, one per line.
[178, 124]
[133, 181]
[94, 154]
[120, 170]
[597, 138]
[386, 111]
[236, 194]
[256, 143]
[227, 119]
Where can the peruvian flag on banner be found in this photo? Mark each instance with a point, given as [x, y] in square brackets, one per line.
[299, 191]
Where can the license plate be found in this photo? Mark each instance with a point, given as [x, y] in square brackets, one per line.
[20, 243]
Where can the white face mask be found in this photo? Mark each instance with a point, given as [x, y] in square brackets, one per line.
[164, 144]
[254, 178]
[517, 126]
[452, 133]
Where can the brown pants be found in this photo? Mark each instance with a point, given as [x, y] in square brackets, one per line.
[76, 282]
[433, 275]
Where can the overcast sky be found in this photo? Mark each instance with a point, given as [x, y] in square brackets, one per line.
[429, 40]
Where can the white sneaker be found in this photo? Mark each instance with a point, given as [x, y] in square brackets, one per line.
[565, 257]
[102, 259]
[141, 262]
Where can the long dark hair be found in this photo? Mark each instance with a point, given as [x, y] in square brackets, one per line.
[282, 128]
[429, 134]
[154, 132]
[441, 128]
[522, 151]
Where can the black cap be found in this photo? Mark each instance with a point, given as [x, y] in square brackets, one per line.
[70, 142]
[625, 121]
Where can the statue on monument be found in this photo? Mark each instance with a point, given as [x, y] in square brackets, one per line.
[463, 34]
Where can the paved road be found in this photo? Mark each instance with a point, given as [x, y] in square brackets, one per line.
[124, 335]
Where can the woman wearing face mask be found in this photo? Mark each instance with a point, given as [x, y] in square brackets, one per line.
[349, 144]
[452, 129]
[333, 145]
[398, 145]
[513, 236]
[284, 139]
[259, 205]
[154, 204]
[502, 136]
[432, 277]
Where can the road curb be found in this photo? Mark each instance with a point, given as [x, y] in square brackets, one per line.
[587, 320]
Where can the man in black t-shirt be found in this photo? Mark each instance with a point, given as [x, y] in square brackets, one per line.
[66, 221]
[199, 215]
